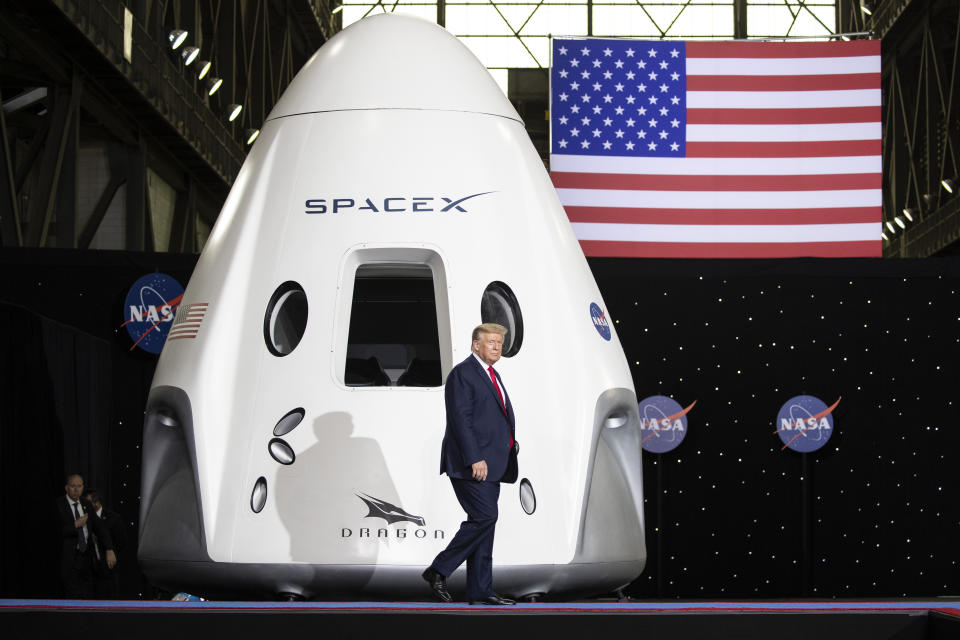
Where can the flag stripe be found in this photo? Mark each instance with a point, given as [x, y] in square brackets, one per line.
[783, 82]
[714, 166]
[668, 182]
[721, 49]
[786, 233]
[782, 149]
[782, 99]
[783, 116]
[721, 199]
[601, 249]
[782, 132]
[779, 67]
[625, 215]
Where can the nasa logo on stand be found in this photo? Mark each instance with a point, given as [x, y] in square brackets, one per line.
[149, 310]
[663, 423]
[599, 321]
[805, 423]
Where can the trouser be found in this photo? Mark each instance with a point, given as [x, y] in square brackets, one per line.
[77, 577]
[474, 540]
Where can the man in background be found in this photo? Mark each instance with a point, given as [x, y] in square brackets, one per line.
[78, 524]
[107, 579]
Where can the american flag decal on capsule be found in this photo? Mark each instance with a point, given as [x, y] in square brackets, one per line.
[187, 322]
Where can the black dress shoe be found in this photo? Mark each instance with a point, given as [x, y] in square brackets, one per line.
[438, 584]
[494, 600]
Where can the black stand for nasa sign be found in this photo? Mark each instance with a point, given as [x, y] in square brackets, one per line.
[805, 424]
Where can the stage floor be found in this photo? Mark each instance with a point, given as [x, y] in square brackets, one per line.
[815, 619]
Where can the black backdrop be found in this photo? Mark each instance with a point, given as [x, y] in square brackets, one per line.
[729, 515]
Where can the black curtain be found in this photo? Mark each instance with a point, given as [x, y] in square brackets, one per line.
[54, 420]
[72, 395]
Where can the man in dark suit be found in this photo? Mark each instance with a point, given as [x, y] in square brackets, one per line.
[478, 453]
[106, 579]
[77, 551]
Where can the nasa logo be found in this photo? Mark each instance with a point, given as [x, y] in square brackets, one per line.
[599, 321]
[805, 423]
[663, 423]
[149, 309]
[398, 204]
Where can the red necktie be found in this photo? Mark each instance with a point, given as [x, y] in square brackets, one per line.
[493, 378]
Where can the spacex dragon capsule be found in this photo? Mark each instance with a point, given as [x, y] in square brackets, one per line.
[291, 445]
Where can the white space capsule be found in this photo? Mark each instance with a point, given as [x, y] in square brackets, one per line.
[292, 441]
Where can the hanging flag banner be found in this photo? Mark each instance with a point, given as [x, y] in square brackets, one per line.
[149, 309]
[718, 149]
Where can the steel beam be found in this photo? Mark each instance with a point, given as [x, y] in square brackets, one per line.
[11, 234]
[920, 119]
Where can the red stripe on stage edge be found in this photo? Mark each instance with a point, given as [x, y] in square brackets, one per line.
[806, 149]
[785, 83]
[672, 182]
[826, 115]
[783, 49]
[853, 249]
[622, 215]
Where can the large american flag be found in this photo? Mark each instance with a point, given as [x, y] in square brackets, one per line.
[718, 149]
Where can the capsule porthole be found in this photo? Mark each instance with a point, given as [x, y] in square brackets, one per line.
[528, 499]
[285, 320]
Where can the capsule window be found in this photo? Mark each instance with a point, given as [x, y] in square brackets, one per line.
[500, 305]
[281, 451]
[286, 319]
[258, 497]
[289, 422]
[528, 499]
[393, 338]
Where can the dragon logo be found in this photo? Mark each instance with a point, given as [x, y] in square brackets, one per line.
[389, 512]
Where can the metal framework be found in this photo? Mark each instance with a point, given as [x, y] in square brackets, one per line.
[77, 75]
[100, 75]
[921, 122]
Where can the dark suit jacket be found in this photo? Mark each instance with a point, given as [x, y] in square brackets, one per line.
[118, 536]
[477, 428]
[69, 533]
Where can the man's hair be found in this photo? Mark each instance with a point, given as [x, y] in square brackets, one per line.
[72, 475]
[91, 495]
[488, 327]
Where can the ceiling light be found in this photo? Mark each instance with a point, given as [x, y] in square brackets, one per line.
[884, 236]
[176, 38]
[890, 226]
[213, 85]
[949, 184]
[233, 111]
[865, 7]
[252, 135]
[190, 54]
[204, 68]
[929, 199]
[908, 213]
[337, 10]
[900, 223]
